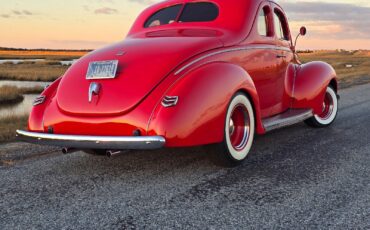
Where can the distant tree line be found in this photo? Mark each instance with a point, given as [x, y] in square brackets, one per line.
[305, 51]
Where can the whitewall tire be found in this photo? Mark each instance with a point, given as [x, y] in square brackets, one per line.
[329, 110]
[239, 130]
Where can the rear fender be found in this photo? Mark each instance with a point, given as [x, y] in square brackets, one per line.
[204, 95]
[35, 120]
[311, 83]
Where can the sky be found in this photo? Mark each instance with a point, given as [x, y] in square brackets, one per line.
[90, 24]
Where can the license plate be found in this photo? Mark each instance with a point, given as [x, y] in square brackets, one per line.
[102, 69]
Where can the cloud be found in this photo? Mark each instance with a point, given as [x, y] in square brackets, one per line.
[16, 12]
[22, 12]
[86, 7]
[5, 15]
[108, 1]
[106, 10]
[333, 20]
[26, 12]
[78, 43]
[145, 2]
[324, 11]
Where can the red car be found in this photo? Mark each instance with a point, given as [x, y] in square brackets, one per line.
[189, 73]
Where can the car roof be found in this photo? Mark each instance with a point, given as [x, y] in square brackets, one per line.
[232, 20]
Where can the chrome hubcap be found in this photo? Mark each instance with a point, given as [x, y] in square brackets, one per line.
[231, 127]
[328, 107]
[239, 127]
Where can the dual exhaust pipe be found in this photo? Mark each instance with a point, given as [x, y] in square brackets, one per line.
[108, 153]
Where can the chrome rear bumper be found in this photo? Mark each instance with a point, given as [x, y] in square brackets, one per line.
[92, 142]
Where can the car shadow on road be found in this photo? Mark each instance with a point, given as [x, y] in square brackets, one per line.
[284, 156]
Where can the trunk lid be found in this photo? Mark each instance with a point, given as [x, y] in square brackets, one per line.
[142, 64]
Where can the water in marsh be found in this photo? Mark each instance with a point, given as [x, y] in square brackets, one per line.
[19, 109]
[69, 62]
[20, 84]
[19, 61]
[23, 107]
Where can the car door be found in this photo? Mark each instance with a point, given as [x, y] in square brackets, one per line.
[260, 60]
[284, 59]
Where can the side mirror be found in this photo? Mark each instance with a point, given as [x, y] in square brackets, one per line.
[303, 31]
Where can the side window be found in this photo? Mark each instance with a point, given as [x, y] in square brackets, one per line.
[281, 27]
[164, 16]
[262, 23]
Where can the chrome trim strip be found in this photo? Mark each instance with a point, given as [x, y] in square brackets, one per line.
[92, 142]
[169, 101]
[39, 100]
[229, 50]
[285, 119]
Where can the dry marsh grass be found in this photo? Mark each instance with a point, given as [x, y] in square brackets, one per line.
[359, 73]
[51, 69]
[31, 90]
[353, 68]
[31, 72]
[10, 95]
[41, 54]
[9, 125]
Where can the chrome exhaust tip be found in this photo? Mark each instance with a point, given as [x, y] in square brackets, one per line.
[69, 150]
[112, 153]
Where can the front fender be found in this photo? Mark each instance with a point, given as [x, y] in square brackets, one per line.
[204, 94]
[311, 82]
[35, 120]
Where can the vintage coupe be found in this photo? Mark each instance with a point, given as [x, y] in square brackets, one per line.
[189, 73]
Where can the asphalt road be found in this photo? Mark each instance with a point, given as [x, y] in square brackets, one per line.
[296, 178]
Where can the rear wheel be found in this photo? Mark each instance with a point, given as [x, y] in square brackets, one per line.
[329, 111]
[239, 131]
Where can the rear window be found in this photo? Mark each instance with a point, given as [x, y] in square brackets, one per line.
[192, 12]
[163, 16]
[199, 12]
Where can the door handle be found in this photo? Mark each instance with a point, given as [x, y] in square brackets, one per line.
[280, 56]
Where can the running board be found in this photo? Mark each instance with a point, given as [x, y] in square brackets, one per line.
[290, 117]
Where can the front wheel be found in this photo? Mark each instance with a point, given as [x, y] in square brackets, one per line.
[329, 111]
[239, 130]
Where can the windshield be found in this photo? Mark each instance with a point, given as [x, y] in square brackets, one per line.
[191, 12]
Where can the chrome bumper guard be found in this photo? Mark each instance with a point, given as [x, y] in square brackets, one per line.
[93, 142]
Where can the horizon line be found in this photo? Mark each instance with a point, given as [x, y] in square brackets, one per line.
[89, 50]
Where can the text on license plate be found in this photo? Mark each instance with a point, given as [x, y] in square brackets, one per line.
[102, 69]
